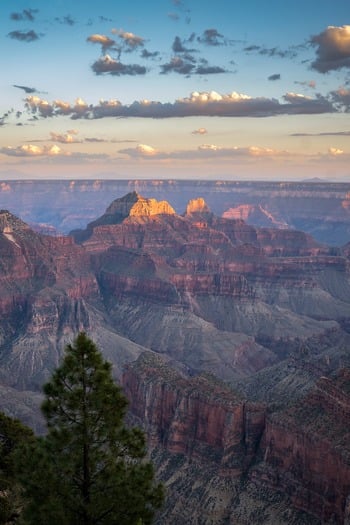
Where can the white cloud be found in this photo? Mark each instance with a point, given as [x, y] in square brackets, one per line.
[204, 151]
[32, 150]
[103, 40]
[64, 138]
[146, 150]
[335, 152]
[200, 131]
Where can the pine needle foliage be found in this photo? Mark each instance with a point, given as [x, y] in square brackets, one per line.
[89, 469]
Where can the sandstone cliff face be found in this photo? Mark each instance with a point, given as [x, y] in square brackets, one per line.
[197, 417]
[307, 451]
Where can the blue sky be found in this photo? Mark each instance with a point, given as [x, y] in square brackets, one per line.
[175, 89]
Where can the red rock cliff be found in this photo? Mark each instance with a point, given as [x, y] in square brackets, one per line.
[307, 451]
[197, 417]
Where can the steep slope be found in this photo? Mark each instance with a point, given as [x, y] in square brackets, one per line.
[247, 463]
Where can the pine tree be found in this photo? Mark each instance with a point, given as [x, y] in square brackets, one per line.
[89, 469]
[12, 434]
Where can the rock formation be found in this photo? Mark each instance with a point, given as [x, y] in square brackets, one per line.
[302, 452]
[265, 310]
[307, 450]
[197, 417]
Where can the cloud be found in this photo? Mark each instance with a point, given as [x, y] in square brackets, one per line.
[103, 40]
[272, 51]
[65, 20]
[275, 76]
[185, 65]
[335, 152]
[37, 105]
[307, 83]
[177, 65]
[252, 48]
[54, 153]
[109, 65]
[64, 138]
[211, 37]
[332, 49]
[275, 51]
[209, 70]
[178, 46]
[24, 36]
[197, 104]
[104, 19]
[130, 40]
[323, 134]
[26, 89]
[205, 151]
[341, 99]
[26, 14]
[149, 54]
[199, 131]
[32, 150]
[94, 139]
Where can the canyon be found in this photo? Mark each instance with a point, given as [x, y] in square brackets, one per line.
[231, 342]
[320, 208]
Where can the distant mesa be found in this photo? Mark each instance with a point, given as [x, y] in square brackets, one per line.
[134, 205]
[131, 205]
[255, 214]
[197, 206]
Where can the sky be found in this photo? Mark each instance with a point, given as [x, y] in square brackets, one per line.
[185, 89]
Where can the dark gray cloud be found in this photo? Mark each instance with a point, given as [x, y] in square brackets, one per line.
[104, 19]
[179, 47]
[26, 89]
[332, 49]
[108, 65]
[211, 37]
[276, 52]
[275, 76]
[24, 36]
[272, 51]
[177, 65]
[341, 99]
[307, 105]
[66, 20]
[209, 70]
[149, 54]
[251, 48]
[26, 14]
[187, 65]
